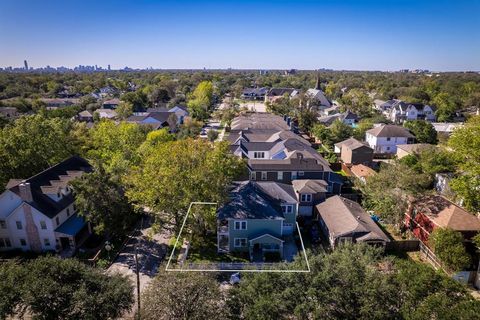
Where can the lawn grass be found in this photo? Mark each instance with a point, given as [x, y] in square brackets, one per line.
[205, 250]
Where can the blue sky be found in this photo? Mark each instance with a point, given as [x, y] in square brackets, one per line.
[338, 34]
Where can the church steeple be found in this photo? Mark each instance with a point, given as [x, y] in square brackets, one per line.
[317, 85]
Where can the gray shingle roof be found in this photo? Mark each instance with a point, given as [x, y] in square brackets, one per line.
[343, 216]
[390, 130]
[247, 201]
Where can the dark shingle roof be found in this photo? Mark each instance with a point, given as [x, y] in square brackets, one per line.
[43, 202]
[247, 201]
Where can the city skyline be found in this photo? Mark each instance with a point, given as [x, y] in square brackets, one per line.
[304, 35]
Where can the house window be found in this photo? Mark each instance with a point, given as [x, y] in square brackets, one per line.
[74, 207]
[2, 243]
[43, 225]
[280, 175]
[287, 209]
[240, 242]
[305, 197]
[388, 139]
[301, 173]
[253, 175]
[19, 225]
[259, 155]
[240, 225]
[388, 148]
[57, 220]
[23, 243]
[68, 212]
[3, 224]
[46, 242]
[264, 175]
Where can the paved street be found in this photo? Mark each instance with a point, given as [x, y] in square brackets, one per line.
[151, 250]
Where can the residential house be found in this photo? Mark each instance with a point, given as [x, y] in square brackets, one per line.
[347, 117]
[254, 93]
[111, 104]
[275, 153]
[335, 109]
[384, 139]
[442, 183]
[446, 128]
[85, 116]
[343, 220]
[309, 193]
[181, 112]
[276, 93]
[404, 150]
[384, 106]
[156, 120]
[353, 151]
[106, 113]
[39, 213]
[8, 112]
[362, 172]
[53, 104]
[256, 219]
[402, 111]
[430, 212]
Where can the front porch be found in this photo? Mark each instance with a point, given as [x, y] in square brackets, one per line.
[263, 245]
[71, 234]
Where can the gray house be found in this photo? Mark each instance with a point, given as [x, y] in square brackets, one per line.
[343, 220]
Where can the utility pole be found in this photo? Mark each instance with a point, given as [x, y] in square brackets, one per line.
[137, 271]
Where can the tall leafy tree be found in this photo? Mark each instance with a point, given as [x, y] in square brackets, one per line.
[174, 174]
[465, 142]
[423, 131]
[201, 100]
[449, 248]
[101, 200]
[182, 296]
[32, 144]
[53, 288]
[115, 145]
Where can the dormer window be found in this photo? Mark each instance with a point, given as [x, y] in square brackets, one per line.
[259, 155]
[306, 197]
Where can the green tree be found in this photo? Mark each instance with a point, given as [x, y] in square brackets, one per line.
[182, 296]
[424, 131]
[465, 142]
[101, 200]
[281, 106]
[32, 144]
[174, 174]
[201, 100]
[124, 110]
[340, 131]
[357, 101]
[446, 106]
[12, 275]
[115, 146]
[212, 135]
[387, 191]
[54, 288]
[449, 248]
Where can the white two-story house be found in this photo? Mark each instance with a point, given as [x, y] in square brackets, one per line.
[39, 213]
[402, 111]
[385, 138]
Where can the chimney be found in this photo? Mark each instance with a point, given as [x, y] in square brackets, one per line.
[25, 191]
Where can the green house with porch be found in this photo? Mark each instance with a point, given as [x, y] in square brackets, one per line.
[259, 218]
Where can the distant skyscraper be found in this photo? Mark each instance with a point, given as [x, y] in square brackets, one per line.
[108, 67]
[25, 64]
